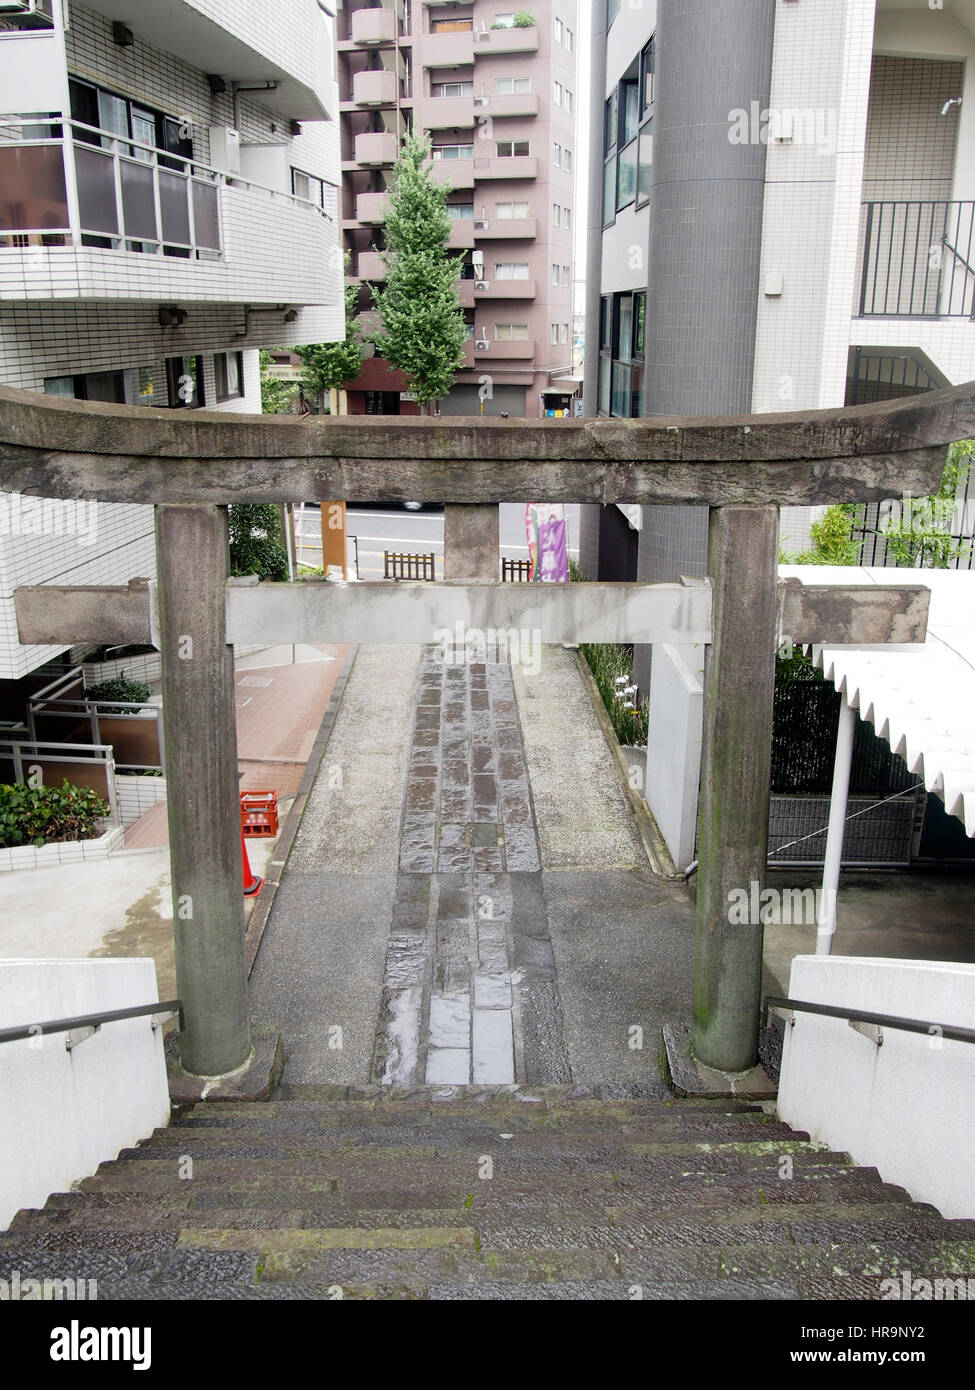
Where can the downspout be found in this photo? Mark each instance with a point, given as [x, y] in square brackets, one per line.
[594, 243]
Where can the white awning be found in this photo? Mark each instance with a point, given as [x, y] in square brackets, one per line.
[920, 698]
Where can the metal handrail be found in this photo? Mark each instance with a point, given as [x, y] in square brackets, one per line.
[907, 1025]
[68, 1025]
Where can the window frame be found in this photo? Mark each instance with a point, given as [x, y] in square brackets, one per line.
[221, 370]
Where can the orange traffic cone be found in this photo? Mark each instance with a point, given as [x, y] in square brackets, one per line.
[252, 884]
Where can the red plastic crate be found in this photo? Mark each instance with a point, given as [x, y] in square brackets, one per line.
[259, 814]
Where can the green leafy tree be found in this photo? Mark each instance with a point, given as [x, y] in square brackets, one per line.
[422, 329]
[276, 396]
[255, 541]
[832, 539]
[921, 535]
[328, 366]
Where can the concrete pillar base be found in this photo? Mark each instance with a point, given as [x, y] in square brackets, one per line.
[257, 1079]
[686, 1076]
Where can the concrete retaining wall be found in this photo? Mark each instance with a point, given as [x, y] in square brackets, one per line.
[63, 1113]
[674, 746]
[905, 1107]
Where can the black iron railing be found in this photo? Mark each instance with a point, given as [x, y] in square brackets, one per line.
[515, 571]
[160, 1011]
[904, 1025]
[918, 260]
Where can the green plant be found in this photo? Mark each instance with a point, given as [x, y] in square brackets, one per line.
[40, 815]
[612, 669]
[422, 330]
[277, 396]
[328, 366]
[920, 536]
[524, 20]
[832, 539]
[255, 541]
[125, 691]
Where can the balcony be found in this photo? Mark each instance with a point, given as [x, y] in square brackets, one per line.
[492, 41]
[506, 229]
[238, 42]
[918, 260]
[371, 208]
[447, 50]
[522, 166]
[138, 223]
[461, 235]
[447, 113]
[491, 347]
[458, 173]
[512, 104]
[371, 266]
[375, 87]
[376, 148]
[375, 26]
[505, 289]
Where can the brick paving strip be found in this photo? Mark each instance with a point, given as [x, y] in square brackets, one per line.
[470, 983]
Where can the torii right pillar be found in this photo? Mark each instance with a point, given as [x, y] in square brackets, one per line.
[739, 682]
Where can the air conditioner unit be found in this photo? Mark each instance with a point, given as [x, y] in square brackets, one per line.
[482, 344]
[480, 225]
[482, 284]
[482, 101]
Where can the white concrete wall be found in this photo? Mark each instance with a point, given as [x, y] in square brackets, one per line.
[63, 1113]
[674, 746]
[904, 1108]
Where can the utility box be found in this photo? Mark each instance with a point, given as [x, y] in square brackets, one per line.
[225, 149]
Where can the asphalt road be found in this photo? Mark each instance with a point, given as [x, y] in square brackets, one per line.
[422, 533]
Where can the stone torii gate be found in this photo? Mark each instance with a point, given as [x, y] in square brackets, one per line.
[191, 465]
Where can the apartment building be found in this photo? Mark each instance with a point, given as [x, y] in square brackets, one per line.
[781, 213]
[168, 206]
[496, 93]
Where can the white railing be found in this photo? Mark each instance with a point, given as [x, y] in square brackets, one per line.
[99, 188]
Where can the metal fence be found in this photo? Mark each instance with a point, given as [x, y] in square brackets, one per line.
[516, 571]
[918, 259]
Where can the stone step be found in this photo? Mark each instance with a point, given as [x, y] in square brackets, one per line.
[609, 1101]
[388, 1110]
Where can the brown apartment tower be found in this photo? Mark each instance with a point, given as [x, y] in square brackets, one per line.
[496, 92]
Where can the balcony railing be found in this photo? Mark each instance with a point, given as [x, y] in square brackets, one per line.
[918, 260]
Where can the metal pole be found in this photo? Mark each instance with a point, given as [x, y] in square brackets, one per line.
[826, 916]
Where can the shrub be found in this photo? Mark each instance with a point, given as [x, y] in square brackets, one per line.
[255, 545]
[524, 20]
[612, 669]
[39, 815]
[125, 691]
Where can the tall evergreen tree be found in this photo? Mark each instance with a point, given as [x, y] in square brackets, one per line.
[422, 329]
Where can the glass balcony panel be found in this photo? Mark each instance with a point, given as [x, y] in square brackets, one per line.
[175, 209]
[206, 216]
[96, 191]
[138, 202]
[32, 189]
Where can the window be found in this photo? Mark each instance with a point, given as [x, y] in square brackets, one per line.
[567, 218]
[567, 101]
[184, 382]
[569, 41]
[308, 187]
[453, 89]
[648, 60]
[510, 149]
[511, 86]
[567, 159]
[451, 26]
[453, 151]
[556, 215]
[228, 372]
[621, 337]
[626, 176]
[511, 270]
[555, 275]
[559, 31]
[515, 211]
[611, 124]
[554, 334]
[511, 332]
[629, 108]
[609, 192]
[460, 212]
[564, 333]
[644, 176]
[557, 93]
[503, 21]
[566, 276]
[557, 155]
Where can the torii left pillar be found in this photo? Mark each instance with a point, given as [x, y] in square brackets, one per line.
[192, 567]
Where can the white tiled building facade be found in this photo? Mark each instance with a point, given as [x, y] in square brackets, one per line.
[232, 194]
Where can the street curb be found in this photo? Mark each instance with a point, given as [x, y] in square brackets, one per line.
[282, 850]
[654, 845]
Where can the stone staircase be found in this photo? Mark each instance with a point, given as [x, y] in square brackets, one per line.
[481, 1193]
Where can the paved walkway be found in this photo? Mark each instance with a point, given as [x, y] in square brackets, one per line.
[447, 917]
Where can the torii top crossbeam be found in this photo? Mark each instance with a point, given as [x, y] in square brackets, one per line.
[63, 448]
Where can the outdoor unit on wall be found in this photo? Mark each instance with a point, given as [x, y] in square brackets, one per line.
[482, 344]
[482, 285]
[481, 225]
[225, 149]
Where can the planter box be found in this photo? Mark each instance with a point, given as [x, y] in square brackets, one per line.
[62, 851]
[136, 795]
